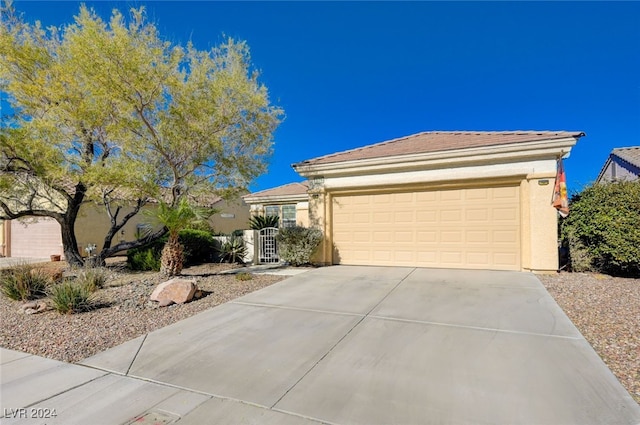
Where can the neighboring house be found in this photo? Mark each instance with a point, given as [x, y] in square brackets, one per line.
[474, 200]
[290, 202]
[42, 238]
[622, 164]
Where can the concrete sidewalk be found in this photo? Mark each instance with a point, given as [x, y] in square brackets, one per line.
[341, 345]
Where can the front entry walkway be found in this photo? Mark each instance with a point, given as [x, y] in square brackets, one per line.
[344, 345]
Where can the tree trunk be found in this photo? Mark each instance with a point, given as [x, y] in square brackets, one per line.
[67, 227]
[172, 259]
[70, 244]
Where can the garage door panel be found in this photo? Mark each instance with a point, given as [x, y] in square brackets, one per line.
[426, 216]
[403, 197]
[403, 217]
[450, 215]
[504, 214]
[480, 215]
[504, 258]
[477, 236]
[381, 218]
[505, 236]
[427, 236]
[450, 195]
[478, 258]
[477, 194]
[462, 228]
[506, 193]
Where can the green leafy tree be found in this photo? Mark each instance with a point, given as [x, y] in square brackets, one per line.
[111, 114]
[603, 231]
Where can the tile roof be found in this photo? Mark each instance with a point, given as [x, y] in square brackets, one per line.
[630, 154]
[290, 189]
[437, 141]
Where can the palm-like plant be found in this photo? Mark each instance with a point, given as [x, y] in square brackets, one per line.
[260, 222]
[176, 218]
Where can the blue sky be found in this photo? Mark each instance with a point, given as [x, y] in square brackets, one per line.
[350, 74]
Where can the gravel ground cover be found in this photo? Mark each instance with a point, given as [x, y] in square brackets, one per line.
[606, 310]
[125, 312]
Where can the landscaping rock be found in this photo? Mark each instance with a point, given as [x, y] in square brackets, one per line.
[164, 303]
[34, 307]
[177, 290]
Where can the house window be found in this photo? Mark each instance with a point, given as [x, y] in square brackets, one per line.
[288, 217]
[272, 210]
[287, 214]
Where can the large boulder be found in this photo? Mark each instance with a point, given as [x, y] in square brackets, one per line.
[176, 290]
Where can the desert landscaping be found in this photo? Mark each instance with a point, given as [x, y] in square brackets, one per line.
[605, 309]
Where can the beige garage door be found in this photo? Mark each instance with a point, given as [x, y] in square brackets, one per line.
[476, 228]
[40, 239]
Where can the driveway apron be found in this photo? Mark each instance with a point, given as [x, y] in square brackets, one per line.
[369, 345]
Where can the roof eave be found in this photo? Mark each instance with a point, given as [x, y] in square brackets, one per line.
[276, 198]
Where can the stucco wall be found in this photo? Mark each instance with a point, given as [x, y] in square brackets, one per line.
[232, 215]
[93, 223]
[539, 225]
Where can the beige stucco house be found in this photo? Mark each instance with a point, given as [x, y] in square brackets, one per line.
[290, 202]
[476, 200]
[42, 238]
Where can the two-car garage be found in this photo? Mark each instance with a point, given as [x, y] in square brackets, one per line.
[457, 228]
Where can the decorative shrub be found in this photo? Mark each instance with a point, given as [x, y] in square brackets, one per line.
[233, 250]
[260, 222]
[71, 297]
[145, 257]
[243, 276]
[199, 246]
[24, 282]
[603, 230]
[297, 244]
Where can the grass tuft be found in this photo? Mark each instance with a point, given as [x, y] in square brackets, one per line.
[24, 282]
[71, 297]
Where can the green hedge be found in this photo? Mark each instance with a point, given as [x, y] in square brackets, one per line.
[199, 247]
[603, 229]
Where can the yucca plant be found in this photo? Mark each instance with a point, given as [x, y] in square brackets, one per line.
[176, 218]
[260, 222]
[233, 251]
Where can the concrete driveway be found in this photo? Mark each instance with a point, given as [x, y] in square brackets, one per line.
[343, 345]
